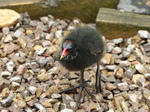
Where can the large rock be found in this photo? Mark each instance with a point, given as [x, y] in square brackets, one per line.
[8, 17]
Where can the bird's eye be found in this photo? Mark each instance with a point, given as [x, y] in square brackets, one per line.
[68, 49]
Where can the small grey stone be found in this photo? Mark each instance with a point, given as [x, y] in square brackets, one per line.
[123, 86]
[15, 79]
[142, 110]
[44, 19]
[27, 109]
[140, 68]
[126, 54]
[111, 67]
[134, 87]
[143, 33]
[147, 75]
[42, 61]
[17, 33]
[58, 34]
[129, 73]
[66, 110]
[116, 50]
[8, 38]
[134, 98]
[124, 63]
[51, 23]
[10, 66]
[110, 47]
[117, 41]
[5, 30]
[7, 102]
[56, 95]
[147, 47]
[130, 48]
[49, 36]
[107, 94]
[146, 95]
[5, 74]
[32, 89]
[33, 23]
[67, 99]
[42, 51]
[40, 107]
[111, 78]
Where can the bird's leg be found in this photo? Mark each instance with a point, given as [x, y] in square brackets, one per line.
[81, 86]
[98, 80]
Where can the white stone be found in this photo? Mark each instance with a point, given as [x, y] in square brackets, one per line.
[8, 38]
[5, 74]
[15, 79]
[117, 41]
[143, 33]
[10, 66]
[32, 89]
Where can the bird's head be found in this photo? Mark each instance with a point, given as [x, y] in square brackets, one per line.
[67, 47]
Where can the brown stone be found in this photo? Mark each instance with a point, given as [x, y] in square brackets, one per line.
[8, 17]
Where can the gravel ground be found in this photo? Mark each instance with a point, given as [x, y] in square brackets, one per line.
[31, 77]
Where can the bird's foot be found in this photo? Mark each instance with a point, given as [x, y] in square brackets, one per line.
[81, 86]
[98, 90]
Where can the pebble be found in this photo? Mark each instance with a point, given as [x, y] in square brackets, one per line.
[123, 86]
[32, 89]
[110, 47]
[29, 69]
[8, 38]
[136, 77]
[44, 19]
[40, 107]
[143, 33]
[10, 15]
[21, 69]
[110, 86]
[15, 79]
[116, 50]
[14, 85]
[5, 74]
[10, 47]
[106, 58]
[129, 73]
[111, 67]
[41, 51]
[17, 33]
[10, 66]
[140, 68]
[117, 41]
[120, 73]
[66, 110]
[7, 102]
[147, 75]
[5, 30]
[124, 63]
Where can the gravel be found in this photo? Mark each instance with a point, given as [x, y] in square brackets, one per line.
[31, 77]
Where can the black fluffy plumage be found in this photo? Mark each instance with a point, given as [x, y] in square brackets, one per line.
[80, 49]
[87, 48]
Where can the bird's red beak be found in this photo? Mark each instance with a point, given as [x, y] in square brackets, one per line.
[64, 53]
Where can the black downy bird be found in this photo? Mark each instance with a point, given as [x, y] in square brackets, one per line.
[80, 49]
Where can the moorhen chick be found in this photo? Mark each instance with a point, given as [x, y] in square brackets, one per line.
[80, 49]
